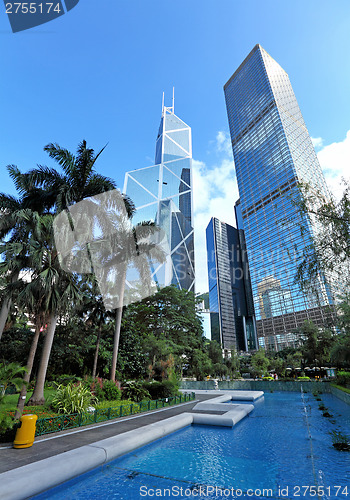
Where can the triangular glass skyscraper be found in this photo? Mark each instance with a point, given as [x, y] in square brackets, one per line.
[163, 193]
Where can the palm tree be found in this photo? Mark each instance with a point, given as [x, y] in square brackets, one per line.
[134, 246]
[14, 227]
[94, 313]
[57, 292]
[44, 295]
[78, 181]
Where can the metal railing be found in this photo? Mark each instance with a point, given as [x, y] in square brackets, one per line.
[63, 422]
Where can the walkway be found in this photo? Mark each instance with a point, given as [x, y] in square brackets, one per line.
[53, 444]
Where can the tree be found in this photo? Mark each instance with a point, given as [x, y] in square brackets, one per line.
[49, 291]
[340, 352]
[168, 323]
[260, 362]
[201, 365]
[57, 192]
[215, 352]
[317, 343]
[136, 246]
[94, 313]
[15, 228]
[10, 374]
[329, 252]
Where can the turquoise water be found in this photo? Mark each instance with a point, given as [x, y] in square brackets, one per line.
[282, 446]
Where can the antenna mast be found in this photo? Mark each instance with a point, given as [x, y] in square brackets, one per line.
[174, 100]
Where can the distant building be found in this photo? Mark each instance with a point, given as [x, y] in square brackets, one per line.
[163, 193]
[273, 152]
[230, 301]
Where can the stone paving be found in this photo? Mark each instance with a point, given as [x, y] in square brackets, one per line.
[53, 444]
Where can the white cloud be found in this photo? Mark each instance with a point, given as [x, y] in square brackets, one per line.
[317, 142]
[335, 163]
[214, 194]
[223, 143]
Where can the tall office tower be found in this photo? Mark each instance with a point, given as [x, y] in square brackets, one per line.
[230, 296]
[273, 152]
[162, 193]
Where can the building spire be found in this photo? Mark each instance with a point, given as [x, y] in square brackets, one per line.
[169, 109]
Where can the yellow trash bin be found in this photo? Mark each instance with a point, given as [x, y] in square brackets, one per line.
[26, 433]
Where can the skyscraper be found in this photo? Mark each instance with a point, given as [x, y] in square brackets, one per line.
[162, 193]
[230, 297]
[273, 152]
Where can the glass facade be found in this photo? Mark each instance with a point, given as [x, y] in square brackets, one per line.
[162, 193]
[230, 300]
[273, 152]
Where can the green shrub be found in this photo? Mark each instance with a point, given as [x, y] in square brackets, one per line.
[111, 390]
[161, 390]
[303, 378]
[72, 399]
[8, 427]
[66, 379]
[343, 378]
[103, 389]
[11, 375]
[96, 387]
[112, 404]
[135, 391]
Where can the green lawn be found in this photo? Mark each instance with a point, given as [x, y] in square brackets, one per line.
[10, 403]
[344, 389]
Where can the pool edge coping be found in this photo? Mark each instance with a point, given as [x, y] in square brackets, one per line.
[28, 480]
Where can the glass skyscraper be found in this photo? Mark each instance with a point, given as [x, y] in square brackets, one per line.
[232, 319]
[273, 152]
[162, 193]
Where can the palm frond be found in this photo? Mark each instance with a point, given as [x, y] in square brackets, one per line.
[9, 203]
[63, 157]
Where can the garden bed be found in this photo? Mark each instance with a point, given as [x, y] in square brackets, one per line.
[71, 421]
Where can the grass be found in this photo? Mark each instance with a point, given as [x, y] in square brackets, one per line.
[344, 389]
[10, 402]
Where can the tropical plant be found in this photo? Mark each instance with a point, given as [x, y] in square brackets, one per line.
[135, 391]
[16, 225]
[161, 390]
[72, 398]
[111, 391]
[11, 374]
[78, 181]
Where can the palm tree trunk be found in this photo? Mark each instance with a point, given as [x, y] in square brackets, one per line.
[96, 351]
[5, 308]
[37, 397]
[26, 378]
[118, 322]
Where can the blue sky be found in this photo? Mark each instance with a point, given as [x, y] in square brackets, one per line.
[99, 71]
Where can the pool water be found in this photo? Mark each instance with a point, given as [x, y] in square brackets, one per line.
[282, 445]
